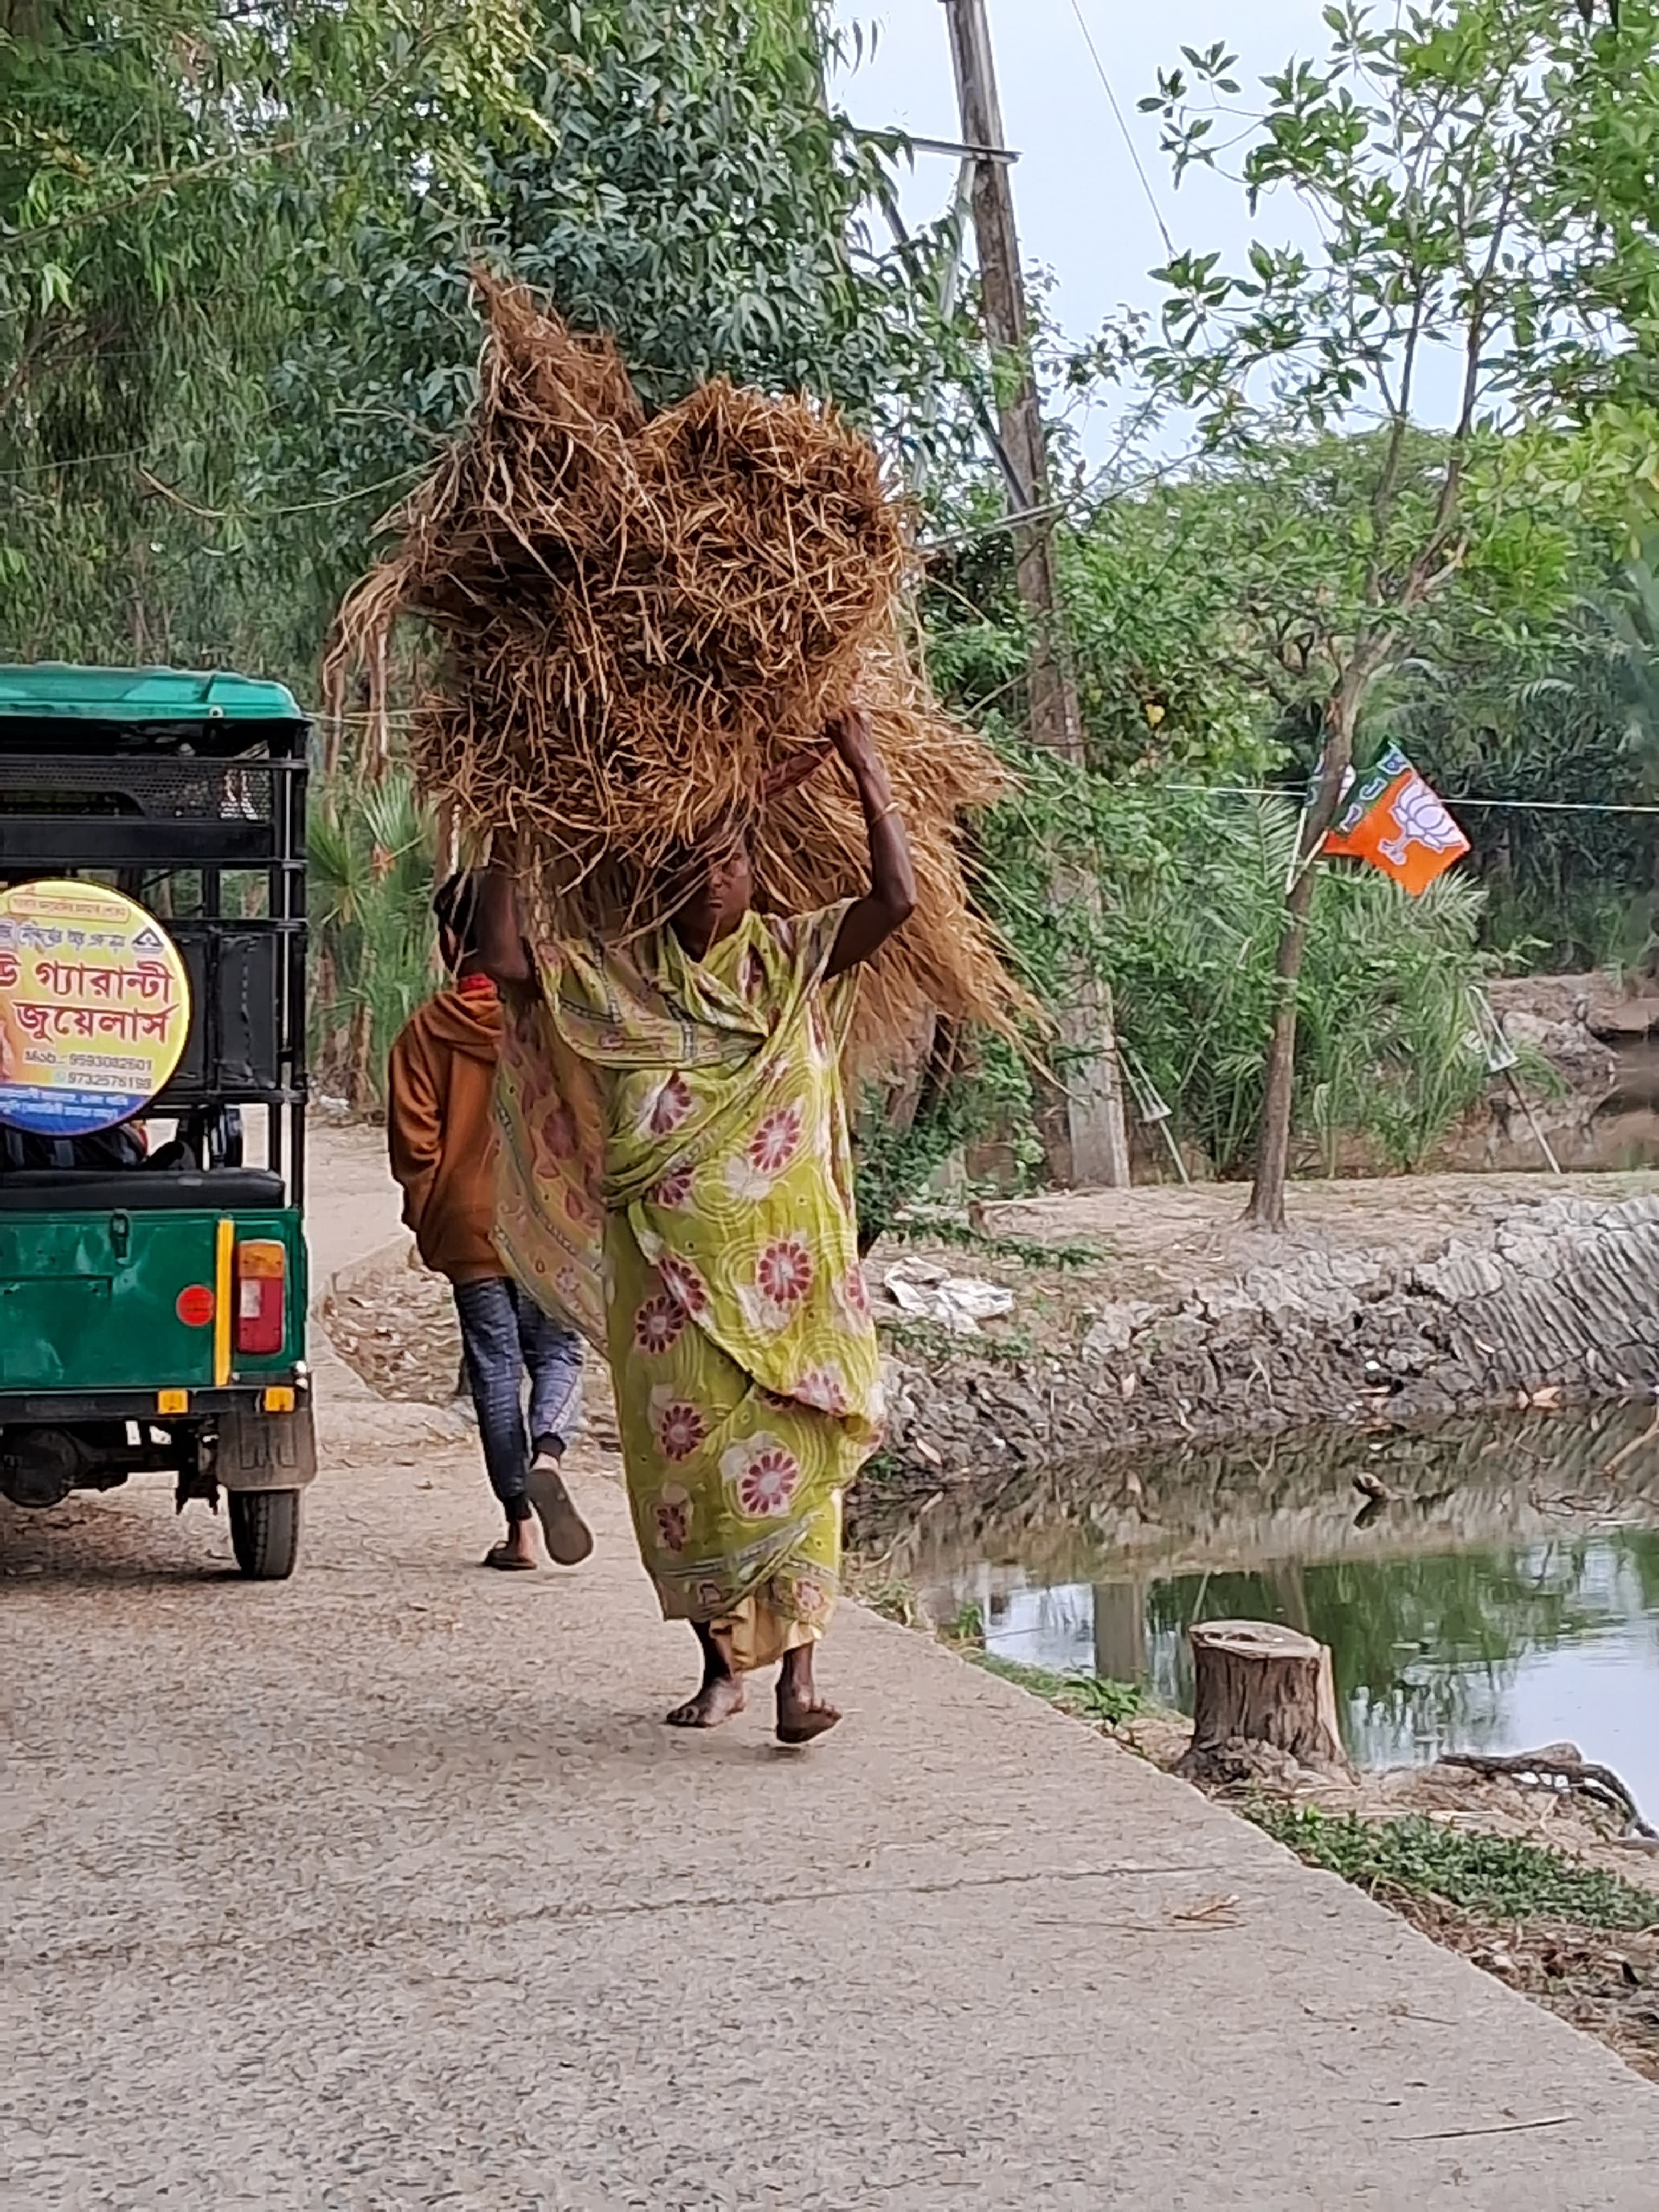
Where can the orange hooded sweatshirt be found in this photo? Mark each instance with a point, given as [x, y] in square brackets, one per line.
[441, 1129]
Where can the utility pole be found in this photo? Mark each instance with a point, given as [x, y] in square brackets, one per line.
[1097, 1140]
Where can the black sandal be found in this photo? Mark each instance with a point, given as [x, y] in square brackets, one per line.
[510, 1563]
[569, 1539]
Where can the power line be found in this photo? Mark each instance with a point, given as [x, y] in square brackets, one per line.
[1509, 805]
[1551, 807]
[1134, 153]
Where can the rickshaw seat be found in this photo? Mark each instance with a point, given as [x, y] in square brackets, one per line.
[141, 1190]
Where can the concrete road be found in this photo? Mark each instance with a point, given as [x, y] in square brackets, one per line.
[385, 1888]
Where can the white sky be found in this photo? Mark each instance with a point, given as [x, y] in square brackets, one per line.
[1083, 212]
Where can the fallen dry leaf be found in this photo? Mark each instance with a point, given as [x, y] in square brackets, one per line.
[1212, 1912]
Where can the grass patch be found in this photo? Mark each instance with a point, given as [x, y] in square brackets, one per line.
[883, 1466]
[912, 1227]
[872, 1583]
[1495, 1875]
[965, 1625]
[932, 1340]
[1086, 1697]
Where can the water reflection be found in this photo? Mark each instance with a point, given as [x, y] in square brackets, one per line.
[1444, 1636]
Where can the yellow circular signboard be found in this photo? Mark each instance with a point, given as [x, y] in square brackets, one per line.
[95, 1008]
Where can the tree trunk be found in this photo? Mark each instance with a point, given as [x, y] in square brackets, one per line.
[359, 1045]
[1120, 1632]
[1260, 1687]
[1272, 1156]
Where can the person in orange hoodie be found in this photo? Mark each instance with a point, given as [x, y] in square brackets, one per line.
[441, 1136]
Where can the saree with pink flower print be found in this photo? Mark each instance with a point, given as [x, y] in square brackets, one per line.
[677, 1183]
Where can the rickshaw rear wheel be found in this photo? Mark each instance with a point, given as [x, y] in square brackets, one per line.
[265, 1533]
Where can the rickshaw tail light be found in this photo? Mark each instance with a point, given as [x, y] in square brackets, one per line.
[261, 1295]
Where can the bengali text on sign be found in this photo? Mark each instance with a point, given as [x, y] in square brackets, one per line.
[95, 1007]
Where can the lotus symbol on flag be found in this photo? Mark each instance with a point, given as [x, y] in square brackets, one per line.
[1420, 820]
[1425, 840]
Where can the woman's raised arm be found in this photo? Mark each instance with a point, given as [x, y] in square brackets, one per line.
[891, 898]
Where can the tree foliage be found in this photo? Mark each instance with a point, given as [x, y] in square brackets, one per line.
[1192, 891]
[684, 187]
[1442, 162]
[1201, 606]
[162, 165]
[371, 890]
[1478, 176]
[1604, 168]
[236, 244]
[1556, 730]
[234, 253]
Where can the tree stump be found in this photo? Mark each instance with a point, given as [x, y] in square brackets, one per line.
[1259, 1690]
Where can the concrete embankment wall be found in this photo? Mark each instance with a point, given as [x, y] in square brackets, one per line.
[1561, 1300]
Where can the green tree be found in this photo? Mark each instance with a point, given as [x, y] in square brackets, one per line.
[684, 187]
[162, 167]
[1192, 887]
[1204, 606]
[1600, 293]
[1532, 719]
[1426, 156]
[234, 254]
[235, 250]
[371, 892]
[1633, 607]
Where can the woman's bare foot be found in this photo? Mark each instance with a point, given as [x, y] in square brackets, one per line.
[802, 1713]
[721, 1695]
[718, 1700]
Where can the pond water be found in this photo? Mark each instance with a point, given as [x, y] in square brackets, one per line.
[1619, 1132]
[1508, 1598]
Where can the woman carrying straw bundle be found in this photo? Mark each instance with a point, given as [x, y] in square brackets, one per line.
[678, 1182]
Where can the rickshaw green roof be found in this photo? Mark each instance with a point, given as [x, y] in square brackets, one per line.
[56, 688]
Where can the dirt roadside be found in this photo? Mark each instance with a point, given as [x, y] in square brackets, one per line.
[1151, 1317]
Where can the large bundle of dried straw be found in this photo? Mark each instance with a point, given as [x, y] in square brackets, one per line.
[639, 618]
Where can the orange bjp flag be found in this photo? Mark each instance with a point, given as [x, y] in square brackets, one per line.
[1399, 824]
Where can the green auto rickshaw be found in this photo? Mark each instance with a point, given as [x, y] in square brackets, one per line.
[153, 1291]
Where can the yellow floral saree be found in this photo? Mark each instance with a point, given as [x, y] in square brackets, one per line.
[677, 1183]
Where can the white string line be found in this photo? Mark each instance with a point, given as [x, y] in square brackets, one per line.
[1510, 805]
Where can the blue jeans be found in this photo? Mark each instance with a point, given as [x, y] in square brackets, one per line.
[503, 1333]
